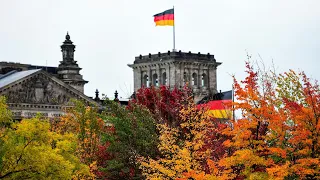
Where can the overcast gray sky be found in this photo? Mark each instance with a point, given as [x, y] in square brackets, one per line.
[110, 33]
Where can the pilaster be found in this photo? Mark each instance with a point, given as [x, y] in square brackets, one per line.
[175, 64]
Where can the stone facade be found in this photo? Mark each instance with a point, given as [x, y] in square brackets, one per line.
[41, 93]
[31, 89]
[175, 69]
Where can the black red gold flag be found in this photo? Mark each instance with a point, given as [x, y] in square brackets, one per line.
[166, 18]
[218, 105]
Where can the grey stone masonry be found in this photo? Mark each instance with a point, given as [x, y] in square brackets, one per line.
[175, 69]
[69, 70]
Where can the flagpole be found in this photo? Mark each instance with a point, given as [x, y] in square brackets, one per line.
[233, 101]
[174, 33]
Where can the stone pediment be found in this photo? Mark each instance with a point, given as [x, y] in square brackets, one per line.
[41, 88]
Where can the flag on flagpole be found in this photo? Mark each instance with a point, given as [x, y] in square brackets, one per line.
[218, 105]
[166, 18]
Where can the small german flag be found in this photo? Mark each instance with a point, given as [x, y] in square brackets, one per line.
[166, 18]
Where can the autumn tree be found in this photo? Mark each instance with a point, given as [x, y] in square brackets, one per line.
[132, 133]
[301, 99]
[85, 122]
[5, 124]
[182, 152]
[32, 151]
[164, 103]
[5, 115]
[277, 136]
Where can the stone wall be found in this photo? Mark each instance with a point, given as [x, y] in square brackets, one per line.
[175, 69]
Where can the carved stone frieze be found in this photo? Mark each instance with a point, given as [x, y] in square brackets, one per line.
[38, 90]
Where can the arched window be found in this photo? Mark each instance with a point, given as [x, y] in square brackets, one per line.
[194, 79]
[204, 80]
[146, 81]
[155, 80]
[164, 78]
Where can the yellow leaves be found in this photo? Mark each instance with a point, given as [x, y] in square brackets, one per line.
[197, 147]
[197, 176]
[82, 172]
[66, 143]
[93, 168]
[154, 170]
[5, 115]
[242, 157]
[174, 167]
[34, 129]
[245, 159]
[167, 139]
[32, 150]
[182, 157]
[258, 176]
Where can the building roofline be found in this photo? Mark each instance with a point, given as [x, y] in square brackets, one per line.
[174, 55]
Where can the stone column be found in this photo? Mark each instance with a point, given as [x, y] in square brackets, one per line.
[213, 78]
[174, 75]
[179, 76]
[209, 78]
[138, 78]
[200, 78]
[183, 75]
[190, 77]
[168, 73]
[204, 89]
[150, 76]
[206, 79]
[158, 71]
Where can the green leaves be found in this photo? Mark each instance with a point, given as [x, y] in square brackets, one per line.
[5, 114]
[132, 133]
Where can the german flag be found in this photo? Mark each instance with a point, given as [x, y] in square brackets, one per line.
[217, 105]
[166, 18]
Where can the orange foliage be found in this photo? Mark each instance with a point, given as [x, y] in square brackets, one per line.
[277, 136]
[278, 133]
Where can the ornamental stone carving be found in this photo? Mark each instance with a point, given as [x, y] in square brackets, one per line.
[37, 90]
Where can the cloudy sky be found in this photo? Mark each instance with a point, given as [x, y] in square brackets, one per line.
[110, 33]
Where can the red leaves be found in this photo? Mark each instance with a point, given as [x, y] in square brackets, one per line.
[102, 157]
[102, 154]
[164, 103]
[215, 140]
